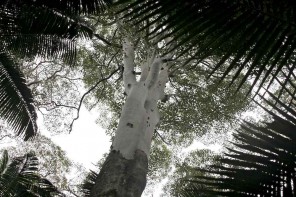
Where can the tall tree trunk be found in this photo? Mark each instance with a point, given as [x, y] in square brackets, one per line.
[122, 177]
[124, 171]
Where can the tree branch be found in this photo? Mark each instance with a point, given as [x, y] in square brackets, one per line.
[146, 65]
[128, 61]
[162, 139]
[106, 41]
[4, 136]
[87, 92]
[50, 77]
[61, 105]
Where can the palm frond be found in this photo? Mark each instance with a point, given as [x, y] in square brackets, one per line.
[88, 183]
[20, 178]
[262, 162]
[256, 38]
[31, 31]
[43, 28]
[66, 6]
[16, 100]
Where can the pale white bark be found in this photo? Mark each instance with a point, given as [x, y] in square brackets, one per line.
[163, 79]
[130, 127]
[153, 117]
[146, 65]
[140, 114]
[154, 72]
[128, 61]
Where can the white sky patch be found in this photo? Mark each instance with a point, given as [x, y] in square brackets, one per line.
[197, 145]
[87, 142]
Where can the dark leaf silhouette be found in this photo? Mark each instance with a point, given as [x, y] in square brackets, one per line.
[262, 162]
[256, 38]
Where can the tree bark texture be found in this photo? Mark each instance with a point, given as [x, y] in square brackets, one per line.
[124, 172]
[120, 177]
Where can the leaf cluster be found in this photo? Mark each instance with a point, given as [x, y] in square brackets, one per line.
[249, 36]
[262, 161]
[30, 28]
[19, 177]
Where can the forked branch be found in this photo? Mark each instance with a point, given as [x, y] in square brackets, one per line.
[87, 92]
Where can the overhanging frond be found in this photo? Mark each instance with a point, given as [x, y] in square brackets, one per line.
[3, 161]
[16, 100]
[256, 38]
[30, 31]
[89, 183]
[21, 178]
[262, 162]
[67, 6]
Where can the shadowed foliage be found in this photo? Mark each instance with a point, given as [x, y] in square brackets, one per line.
[19, 177]
[262, 161]
[31, 28]
[16, 99]
[89, 183]
[72, 7]
[256, 38]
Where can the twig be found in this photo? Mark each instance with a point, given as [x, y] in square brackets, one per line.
[50, 77]
[70, 79]
[87, 92]
[106, 41]
[162, 139]
[2, 137]
[37, 65]
[68, 189]
[61, 105]
[55, 105]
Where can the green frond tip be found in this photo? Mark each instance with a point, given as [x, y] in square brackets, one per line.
[27, 30]
[20, 178]
[3, 161]
[16, 100]
[253, 38]
[65, 6]
[88, 183]
[261, 163]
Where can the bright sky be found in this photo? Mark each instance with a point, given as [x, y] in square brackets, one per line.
[87, 142]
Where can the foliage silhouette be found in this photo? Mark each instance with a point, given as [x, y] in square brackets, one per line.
[19, 177]
[261, 163]
[36, 28]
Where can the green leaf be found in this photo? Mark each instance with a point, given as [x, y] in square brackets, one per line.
[16, 100]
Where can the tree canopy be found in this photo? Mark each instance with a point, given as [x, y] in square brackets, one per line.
[238, 42]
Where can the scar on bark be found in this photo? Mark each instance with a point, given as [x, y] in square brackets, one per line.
[130, 125]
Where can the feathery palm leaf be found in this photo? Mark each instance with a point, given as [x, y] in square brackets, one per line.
[256, 38]
[16, 100]
[66, 6]
[31, 31]
[262, 163]
[88, 183]
[19, 178]
[29, 28]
